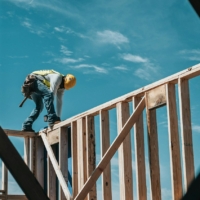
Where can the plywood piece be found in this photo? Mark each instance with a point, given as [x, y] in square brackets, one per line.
[174, 146]
[124, 152]
[74, 143]
[105, 143]
[186, 132]
[91, 154]
[19, 169]
[53, 136]
[63, 154]
[153, 154]
[156, 97]
[139, 155]
[111, 151]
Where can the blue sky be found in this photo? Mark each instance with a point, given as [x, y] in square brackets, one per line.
[112, 47]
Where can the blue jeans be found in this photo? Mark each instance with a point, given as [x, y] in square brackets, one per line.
[41, 93]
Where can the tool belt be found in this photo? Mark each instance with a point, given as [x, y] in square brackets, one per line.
[27, 87]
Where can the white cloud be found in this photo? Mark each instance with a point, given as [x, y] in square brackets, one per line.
[32, 28]
[93, 67]
[111, 37]
[193, 54]
[68, 60]
[65, 50]
[134, 58]
[196, 128]
[121, 68]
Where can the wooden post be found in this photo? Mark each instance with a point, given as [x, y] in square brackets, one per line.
[91, 154]
[63, 155]
[81, 137]
[4, 180]
[139, 155]
[74, 143]
[51, 187]
[111, 151]
[186, 132]
[32, 155]
[27, 150]
[56, 166]
[174, 147]
[39, 165]
[153, 154]
[125, 159]
[105, 143]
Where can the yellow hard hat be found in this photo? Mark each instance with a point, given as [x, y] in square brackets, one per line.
[70, 81]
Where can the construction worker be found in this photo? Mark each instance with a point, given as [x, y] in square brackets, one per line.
[47, 85]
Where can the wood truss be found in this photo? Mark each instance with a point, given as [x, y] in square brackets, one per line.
[85, 172]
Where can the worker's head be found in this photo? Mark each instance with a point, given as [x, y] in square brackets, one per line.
[70, 81]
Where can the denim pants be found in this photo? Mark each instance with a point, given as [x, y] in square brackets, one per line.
[41, 93]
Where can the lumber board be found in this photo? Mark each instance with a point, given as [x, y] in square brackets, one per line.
[153, 154]
[74, 158]
[105, 143]
[27, 150]
[140, 155]
[125, 158]
[39, 161]
[63, 154]
[17, 133]
[186, 132]
[186, 74]
[19, 169]
[111, 151]
[13, 197]
[91, 154]
[56, 167]
[53, 136]
[51, 185]
[174, 145]
[4, 180]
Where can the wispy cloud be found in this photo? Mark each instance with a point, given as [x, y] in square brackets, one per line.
[146, 69]
[196, 128]
[193, 54]
[90, 68]
[68, 60]
[134, 58]
[121, 68]
[32, 28]
[67, 30]
[65, 50]
[111, 37]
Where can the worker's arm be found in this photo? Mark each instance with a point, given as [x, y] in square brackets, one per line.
[55, 81]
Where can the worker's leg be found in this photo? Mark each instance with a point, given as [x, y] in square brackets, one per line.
[27, 125]
[48, 98]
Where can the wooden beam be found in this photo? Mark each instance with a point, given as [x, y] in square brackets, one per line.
[63, 155]
[27, 151]
[56, 167]
[139, 155]
[105, 143]
[4, 179]
[153, 154]
[111, 151]
[125, 158]
[74, 158]
[174, 147]
[91, 153]
[186, 132]
[53, 136]
[19, 169]
[187, 73]
[13, 197]
[19, 133]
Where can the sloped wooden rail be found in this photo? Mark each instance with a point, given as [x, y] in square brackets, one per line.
[81, 127]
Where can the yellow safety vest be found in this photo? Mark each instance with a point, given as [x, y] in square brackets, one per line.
[43, 73]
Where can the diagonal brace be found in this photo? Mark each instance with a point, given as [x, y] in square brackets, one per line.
[56, 166]
[111, 151]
